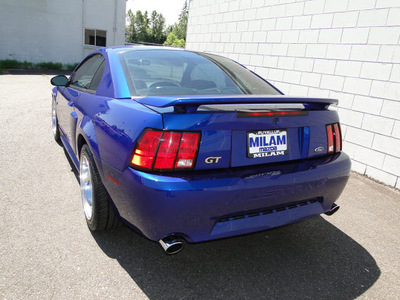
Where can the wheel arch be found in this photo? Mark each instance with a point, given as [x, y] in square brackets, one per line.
[86, 134]
[80, 141]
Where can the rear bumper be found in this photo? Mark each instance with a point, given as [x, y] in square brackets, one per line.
[211, 205]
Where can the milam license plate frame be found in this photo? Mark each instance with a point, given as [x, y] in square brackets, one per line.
[264, 143]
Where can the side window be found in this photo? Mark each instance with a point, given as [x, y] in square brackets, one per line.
[84, 75]
[97, 77]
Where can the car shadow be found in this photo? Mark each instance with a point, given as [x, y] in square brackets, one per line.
[71, 163]
[311, 259]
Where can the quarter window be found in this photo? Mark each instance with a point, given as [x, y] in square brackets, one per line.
[97, 77]
[85, 74]
[95, 37]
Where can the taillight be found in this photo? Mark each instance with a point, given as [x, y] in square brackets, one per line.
[334, 138]
[187, 150]
[166, 150]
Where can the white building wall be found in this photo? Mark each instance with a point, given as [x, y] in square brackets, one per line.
[344, 49]
[53, 31]
[106, 15]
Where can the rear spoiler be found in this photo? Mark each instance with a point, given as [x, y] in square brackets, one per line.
[191, 103]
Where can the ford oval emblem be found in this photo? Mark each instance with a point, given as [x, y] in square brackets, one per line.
[319, 149]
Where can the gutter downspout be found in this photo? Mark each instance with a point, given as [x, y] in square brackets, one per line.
[83, 28]
[115, 20]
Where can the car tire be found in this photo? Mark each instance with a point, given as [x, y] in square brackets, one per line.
[97, 208]
[54, 123]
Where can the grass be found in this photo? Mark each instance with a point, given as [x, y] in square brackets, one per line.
[49, 66]
[25, 65]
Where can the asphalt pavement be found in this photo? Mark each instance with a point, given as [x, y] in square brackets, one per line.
[47, 251]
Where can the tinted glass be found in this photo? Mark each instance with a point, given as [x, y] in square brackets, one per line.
[97, 77]
[247, 81]
[83, 76]
[170, 72]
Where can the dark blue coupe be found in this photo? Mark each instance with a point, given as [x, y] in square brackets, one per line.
[183, 145]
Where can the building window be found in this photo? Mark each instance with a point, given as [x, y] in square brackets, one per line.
[95, 37]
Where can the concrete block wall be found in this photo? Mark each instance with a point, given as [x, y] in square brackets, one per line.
[344, 49]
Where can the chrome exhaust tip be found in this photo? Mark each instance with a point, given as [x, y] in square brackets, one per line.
[171, 244]
[333, 209]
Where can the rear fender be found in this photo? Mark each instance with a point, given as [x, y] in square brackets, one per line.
[118, 128]
[85, 134]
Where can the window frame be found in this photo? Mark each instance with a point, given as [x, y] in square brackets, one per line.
[95, 37]
[87, 90]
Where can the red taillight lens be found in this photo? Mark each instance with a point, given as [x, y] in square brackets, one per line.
[145, 150]
[334, 138]
[286, 113]
[329, 133]
[166, 150]
[338, 137]
[187, 150]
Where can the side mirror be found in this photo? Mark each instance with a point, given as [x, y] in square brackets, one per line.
[59, 80]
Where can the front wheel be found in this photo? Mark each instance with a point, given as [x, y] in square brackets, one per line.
[97, 208]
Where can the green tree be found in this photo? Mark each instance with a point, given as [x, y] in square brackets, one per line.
[182, 24]
[178, 29]
[157, 28]
[173, 41]
[141, 28]
[138, 28]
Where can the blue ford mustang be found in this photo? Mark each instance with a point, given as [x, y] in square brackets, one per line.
[191, 146]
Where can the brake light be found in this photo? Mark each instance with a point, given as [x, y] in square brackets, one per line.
[144, 152]
[338, 137]
[329, 133]
[166, 150]
[334, 138]
[285, 113]
[166, 154]
[187, 150]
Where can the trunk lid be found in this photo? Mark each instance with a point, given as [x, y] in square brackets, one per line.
[245, 130]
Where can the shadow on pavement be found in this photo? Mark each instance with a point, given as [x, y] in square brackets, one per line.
[311, 259]
[71, 163]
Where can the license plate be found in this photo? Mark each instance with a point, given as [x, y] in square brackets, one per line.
[264, 143]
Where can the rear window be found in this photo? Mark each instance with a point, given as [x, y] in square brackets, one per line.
[174, 72]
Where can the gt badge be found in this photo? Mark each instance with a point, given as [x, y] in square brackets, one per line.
[212, 159]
